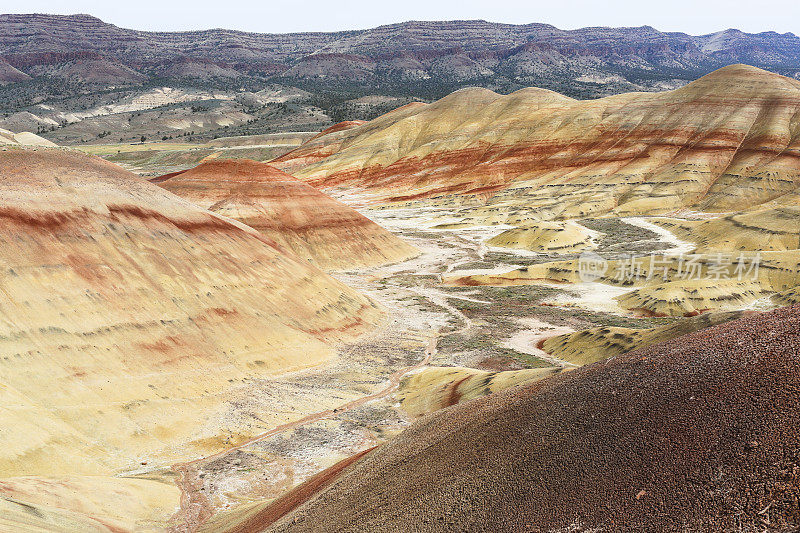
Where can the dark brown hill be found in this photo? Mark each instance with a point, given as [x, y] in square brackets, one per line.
[696, 434]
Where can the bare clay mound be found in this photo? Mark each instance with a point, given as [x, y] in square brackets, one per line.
[698, 433]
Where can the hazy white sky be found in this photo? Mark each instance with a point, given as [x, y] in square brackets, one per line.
[690, 16]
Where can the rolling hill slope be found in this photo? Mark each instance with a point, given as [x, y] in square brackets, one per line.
[114, 288]
[133, 325]
[728, 141]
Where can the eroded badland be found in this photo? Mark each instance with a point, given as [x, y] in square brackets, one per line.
[490, 312]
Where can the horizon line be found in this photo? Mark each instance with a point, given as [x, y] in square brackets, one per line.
[399, 23]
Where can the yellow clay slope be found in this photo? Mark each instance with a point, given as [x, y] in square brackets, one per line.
[130, 320]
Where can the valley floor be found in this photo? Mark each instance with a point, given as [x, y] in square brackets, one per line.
[327, 414]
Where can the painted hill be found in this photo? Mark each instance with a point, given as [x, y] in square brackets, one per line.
[598, 344]
[434, 388]
[437, 387]
[698, 433]
[292, 213]
[331, 141]
[774, 228]
[728, 141]
[24, 138]
[132, 319]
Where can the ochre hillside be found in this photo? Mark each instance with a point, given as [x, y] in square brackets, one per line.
[728, 141]
[773, 229]
[132, 320]
[698, 433]
[292, 213]
[598, 344]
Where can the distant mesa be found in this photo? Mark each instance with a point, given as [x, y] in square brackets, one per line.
[415, 57]
[96, 71]
[195, 68]
[79, 66]
[305, 221]
[646, 441]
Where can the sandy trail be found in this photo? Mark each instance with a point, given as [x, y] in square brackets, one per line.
[440, 298]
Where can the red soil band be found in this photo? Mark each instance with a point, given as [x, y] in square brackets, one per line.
[454, 395]
[540, 343]
[165, 177]
[341, 126]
